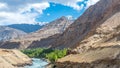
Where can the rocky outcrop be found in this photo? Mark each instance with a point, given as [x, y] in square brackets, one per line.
[7, 33]
[107, 57]
[13, 59]
[107, 34]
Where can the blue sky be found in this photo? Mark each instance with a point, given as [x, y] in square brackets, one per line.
[58, 10]
[40, 11]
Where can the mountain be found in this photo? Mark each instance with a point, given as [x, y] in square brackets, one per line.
[7, 33]
[28, 28]
[94, 38]
[57, 26]
[86, 25]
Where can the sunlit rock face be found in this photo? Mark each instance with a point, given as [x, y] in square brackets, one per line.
[13, 59]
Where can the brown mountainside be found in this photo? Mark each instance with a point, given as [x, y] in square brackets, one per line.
[85, 26]
[96, 38]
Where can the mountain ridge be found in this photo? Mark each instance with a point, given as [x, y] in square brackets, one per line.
[28, 28]
[7, 33]
[55, 27]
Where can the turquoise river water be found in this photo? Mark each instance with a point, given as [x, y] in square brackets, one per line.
[37, 63]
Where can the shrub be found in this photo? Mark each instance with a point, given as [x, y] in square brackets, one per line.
[50, 54]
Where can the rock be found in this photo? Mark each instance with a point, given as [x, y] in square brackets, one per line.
[13, 58]
[108, 57]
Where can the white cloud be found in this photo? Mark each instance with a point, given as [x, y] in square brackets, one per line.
[39, 7]
[19, 11]
[13, 18]
[70, 3]
[91, 2]
[3, 5]
[19, 17]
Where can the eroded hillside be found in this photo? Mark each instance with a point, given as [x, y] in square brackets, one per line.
[13, 59]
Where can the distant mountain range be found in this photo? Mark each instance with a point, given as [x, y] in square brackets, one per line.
[28, 28]
[57, 26]
[7, 33]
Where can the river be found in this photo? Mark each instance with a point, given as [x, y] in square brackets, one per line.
[37, 63]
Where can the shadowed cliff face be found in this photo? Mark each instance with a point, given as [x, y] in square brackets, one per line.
[107, 34]
[86, 25]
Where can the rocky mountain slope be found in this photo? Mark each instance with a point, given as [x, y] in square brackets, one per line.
[13, 59]
[97, 42]
[57, 26]
[7, 33]
[34, 39]
[107, 34]
[101, 50]
[85, 26]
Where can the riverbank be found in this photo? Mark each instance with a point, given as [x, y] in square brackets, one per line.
[37, 63]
